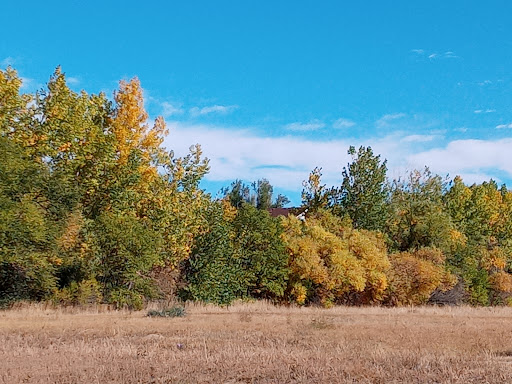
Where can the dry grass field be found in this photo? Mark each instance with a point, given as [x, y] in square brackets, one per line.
[257, 343]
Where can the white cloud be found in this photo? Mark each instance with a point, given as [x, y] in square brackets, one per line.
[468, 157]
[477, 111]
[218, 109]
[418, 51]
[284, 161]
[485, 82]
[312, 125]
[432, 56]
[386, 120]
[169, 109]
[504, 126]
[287, 161]
[72, 80]
[343, 123]
[418, 138]
[476, 177]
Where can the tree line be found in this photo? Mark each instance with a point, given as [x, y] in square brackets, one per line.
[93, 209]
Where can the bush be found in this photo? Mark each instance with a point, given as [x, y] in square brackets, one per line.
[414, 276]
[85, 292]
[175, 311]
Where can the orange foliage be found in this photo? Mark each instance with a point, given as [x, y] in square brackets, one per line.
[501, 281]
[493, 259]
[415, 276]
[69, 239]
[131, 128]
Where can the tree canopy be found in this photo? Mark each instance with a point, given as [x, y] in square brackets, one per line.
[94, 209]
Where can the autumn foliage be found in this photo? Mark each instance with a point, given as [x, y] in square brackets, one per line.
[94, 209]
[330, 262]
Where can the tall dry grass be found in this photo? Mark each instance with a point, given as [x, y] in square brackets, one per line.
[257, 343]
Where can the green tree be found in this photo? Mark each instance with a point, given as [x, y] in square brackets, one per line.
[214, 272]
[123, 252]
[263, 191]
[418, 215]
[90, 201]
[257, 239]
[281, 201]
[482, 214]
[363, 194]
[315, 195]
[258, 194]
[240, 255]
[239, 193]
[72, 135]
[27, 230]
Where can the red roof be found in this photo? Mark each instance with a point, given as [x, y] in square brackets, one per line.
[275, 212]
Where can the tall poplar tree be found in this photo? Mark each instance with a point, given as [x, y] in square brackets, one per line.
[363, 192]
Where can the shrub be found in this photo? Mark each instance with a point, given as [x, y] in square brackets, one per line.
[330, 262]
[82, 293]
[175, 311]
[413, 277]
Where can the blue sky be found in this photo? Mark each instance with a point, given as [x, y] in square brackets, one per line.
[274, 88]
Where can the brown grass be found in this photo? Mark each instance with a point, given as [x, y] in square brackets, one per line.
[257, 343]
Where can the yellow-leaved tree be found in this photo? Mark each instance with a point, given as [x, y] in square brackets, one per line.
[330, 262]
[137, 143]
[159, 189]
[415, 275]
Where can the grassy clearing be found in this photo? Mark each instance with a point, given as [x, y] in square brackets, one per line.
[257, 343]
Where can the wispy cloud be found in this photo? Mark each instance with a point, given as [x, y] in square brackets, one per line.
[450, 55]
[478, 111]
[387, 120]
[8, 61]
[72, 80]
[312, 125]
[26, 83]
[484, 83]
[170, 109]
[343, 123]
[418, 138]
[214, 109]
[445, 55]
[504, 126]
[434, 55]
